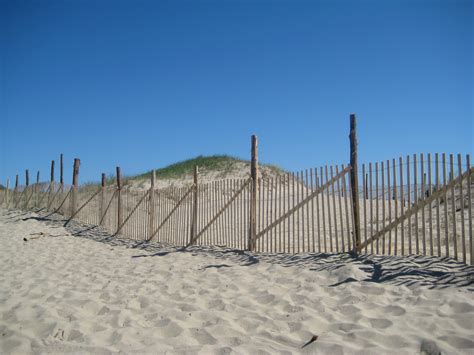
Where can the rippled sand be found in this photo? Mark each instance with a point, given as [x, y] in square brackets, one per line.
[77, 290]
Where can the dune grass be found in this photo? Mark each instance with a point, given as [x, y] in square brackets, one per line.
[221, 163]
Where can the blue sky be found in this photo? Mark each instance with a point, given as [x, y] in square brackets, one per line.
[143, 84]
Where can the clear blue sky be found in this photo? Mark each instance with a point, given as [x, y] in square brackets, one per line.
[143, 84]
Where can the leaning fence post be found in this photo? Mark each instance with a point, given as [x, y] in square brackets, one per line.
[102, 198]
[119, 198]
[194, 226]
[355, 182]
[75, 184]
[151, 210]
[253, 198]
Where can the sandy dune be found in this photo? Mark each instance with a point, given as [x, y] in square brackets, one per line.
[78, 290]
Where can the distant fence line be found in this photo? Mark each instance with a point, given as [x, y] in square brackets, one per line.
[418, 205]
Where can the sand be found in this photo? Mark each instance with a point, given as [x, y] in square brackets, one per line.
[72, 290]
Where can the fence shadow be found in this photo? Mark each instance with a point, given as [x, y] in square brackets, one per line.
[411, 270]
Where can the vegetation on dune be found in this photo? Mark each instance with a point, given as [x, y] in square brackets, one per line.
[223, 163]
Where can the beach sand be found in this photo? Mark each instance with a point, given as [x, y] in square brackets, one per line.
[73, 290]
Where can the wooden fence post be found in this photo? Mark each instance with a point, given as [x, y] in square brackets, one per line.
[119, 198]
[75, 184]
[15, 191]
[27, 183]
[37, 188]
[51, 183]
[102, 198]
[7, 193]
[355, 181]
[151, 210]
[61, 172]
[253, 198]
[194, 226]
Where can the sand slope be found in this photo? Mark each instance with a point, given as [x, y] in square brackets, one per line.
[80, 291]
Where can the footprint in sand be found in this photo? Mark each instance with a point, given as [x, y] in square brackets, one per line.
[203, 337]
[395, 310]
[380, 323]
[170, 330]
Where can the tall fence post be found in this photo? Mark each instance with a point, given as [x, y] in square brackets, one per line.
[151, 210]
[194, 226]
[119, 198]
[27, 183]
[355, 182]
[102, 198]
[7, 201]
[37, 188]
[61, 173]
[75, 184]
[15, 191]
[51, 184]
[253, 198]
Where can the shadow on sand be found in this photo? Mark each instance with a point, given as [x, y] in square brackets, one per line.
[432, 272]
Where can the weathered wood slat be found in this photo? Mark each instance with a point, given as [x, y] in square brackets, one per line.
[453, 206]
[80, 208]
[132, 212]
[402, 207]
[419, 205]
[171, 213]
[303, 202]
[438, 230]
[461, 201]
[469, 182]
[222, 209]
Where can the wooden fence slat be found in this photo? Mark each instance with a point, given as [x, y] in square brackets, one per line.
[453, 206]
[171, 213]
[469, 211]
[80, 208]
[308, 216]
[410, 251]
[402, 206]
[328, 193]
[303, 202]
[298, 199]
[461, 201]
[415, 200]
[430, 213]
[423, 190]
[395, 202]
[377, 217]
[438, 230]
[364, 199]
[389, 195]
[311, 173]
[323, 186]
[334, 210]
[316, 178]
[338, 186]
[346, 207]
[371, 206]
[383, 205]
[419, 205]
[445, 183]
[221, 210]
